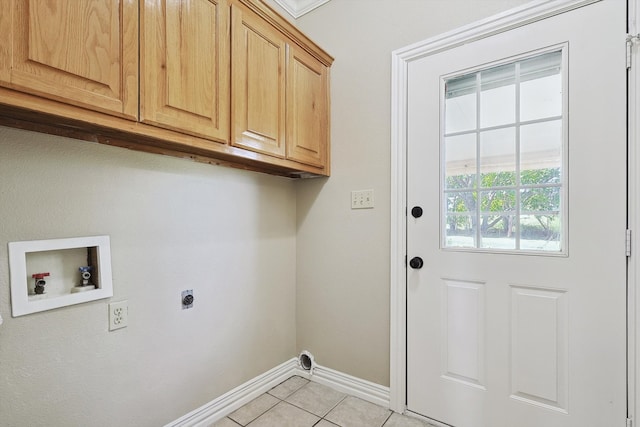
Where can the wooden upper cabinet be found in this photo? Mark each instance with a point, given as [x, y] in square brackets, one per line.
[280, 91]
[79, 52]
[307, 108]
[258, 84]
[184, 66]
[222, 81]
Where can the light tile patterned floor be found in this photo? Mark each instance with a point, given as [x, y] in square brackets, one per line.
[298, 402]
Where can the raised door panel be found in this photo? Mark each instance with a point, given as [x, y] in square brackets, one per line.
[185, 66]
[258, 84]
[307, 109]
[80, 52]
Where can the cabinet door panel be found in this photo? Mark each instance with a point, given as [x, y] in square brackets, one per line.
[81, 52]
[259, 54]
[185, 66]
[307, 108]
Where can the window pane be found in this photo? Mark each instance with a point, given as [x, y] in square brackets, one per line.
[460, 162]
[462, 202]
[540, 200]
[541, 153]
[497, 222]
[498, 201]
[497, 96]
[460, 104]
[540, 232]
[503, 157]
[497, 232]
[498, 157]
[461, 219]
[460, 231]
[541, 87]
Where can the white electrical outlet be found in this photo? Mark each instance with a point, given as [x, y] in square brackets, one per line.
[118, 315]
[362, 199]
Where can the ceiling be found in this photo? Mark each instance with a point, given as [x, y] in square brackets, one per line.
[297, 8]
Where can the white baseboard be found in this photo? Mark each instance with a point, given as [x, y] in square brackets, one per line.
[239, 396]
[348, 384]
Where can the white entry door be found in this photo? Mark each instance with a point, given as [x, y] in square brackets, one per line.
[517, 286]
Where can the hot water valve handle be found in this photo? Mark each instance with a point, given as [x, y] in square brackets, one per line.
[40, 282]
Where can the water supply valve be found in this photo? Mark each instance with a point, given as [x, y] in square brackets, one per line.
[85, 280]
[85, 273]
[39, 282]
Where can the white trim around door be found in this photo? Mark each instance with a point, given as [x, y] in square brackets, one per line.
[401, 58]
[633, 168]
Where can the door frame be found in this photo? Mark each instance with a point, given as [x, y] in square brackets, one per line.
[633, 211]
[400, 59]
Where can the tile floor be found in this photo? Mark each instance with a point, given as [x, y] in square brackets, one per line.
[297, 402]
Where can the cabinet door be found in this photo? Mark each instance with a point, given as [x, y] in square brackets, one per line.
[307, 108]
[81, 52]
[184, 60]
[258, 84]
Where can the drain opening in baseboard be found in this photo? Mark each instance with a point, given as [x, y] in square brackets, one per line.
[306, 361]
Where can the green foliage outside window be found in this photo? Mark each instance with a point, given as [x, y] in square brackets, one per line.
[539, 194]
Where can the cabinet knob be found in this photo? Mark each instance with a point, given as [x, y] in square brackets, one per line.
[416, 212]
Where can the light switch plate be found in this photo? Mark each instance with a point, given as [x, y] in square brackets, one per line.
[362, 199]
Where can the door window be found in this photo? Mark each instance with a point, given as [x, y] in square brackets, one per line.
[504, 156]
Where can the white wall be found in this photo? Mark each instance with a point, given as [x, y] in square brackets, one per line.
[343, 254]
[229, 235]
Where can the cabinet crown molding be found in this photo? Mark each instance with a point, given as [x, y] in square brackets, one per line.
[297, 8]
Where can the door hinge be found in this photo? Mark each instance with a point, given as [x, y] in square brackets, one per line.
[628, 243]
[631, 39]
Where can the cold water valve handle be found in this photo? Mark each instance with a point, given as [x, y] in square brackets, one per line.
[85, 274]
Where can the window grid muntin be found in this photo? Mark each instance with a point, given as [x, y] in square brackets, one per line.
[518, 212]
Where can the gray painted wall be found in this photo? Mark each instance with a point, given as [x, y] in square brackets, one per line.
[229, 235]
[343, 254]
